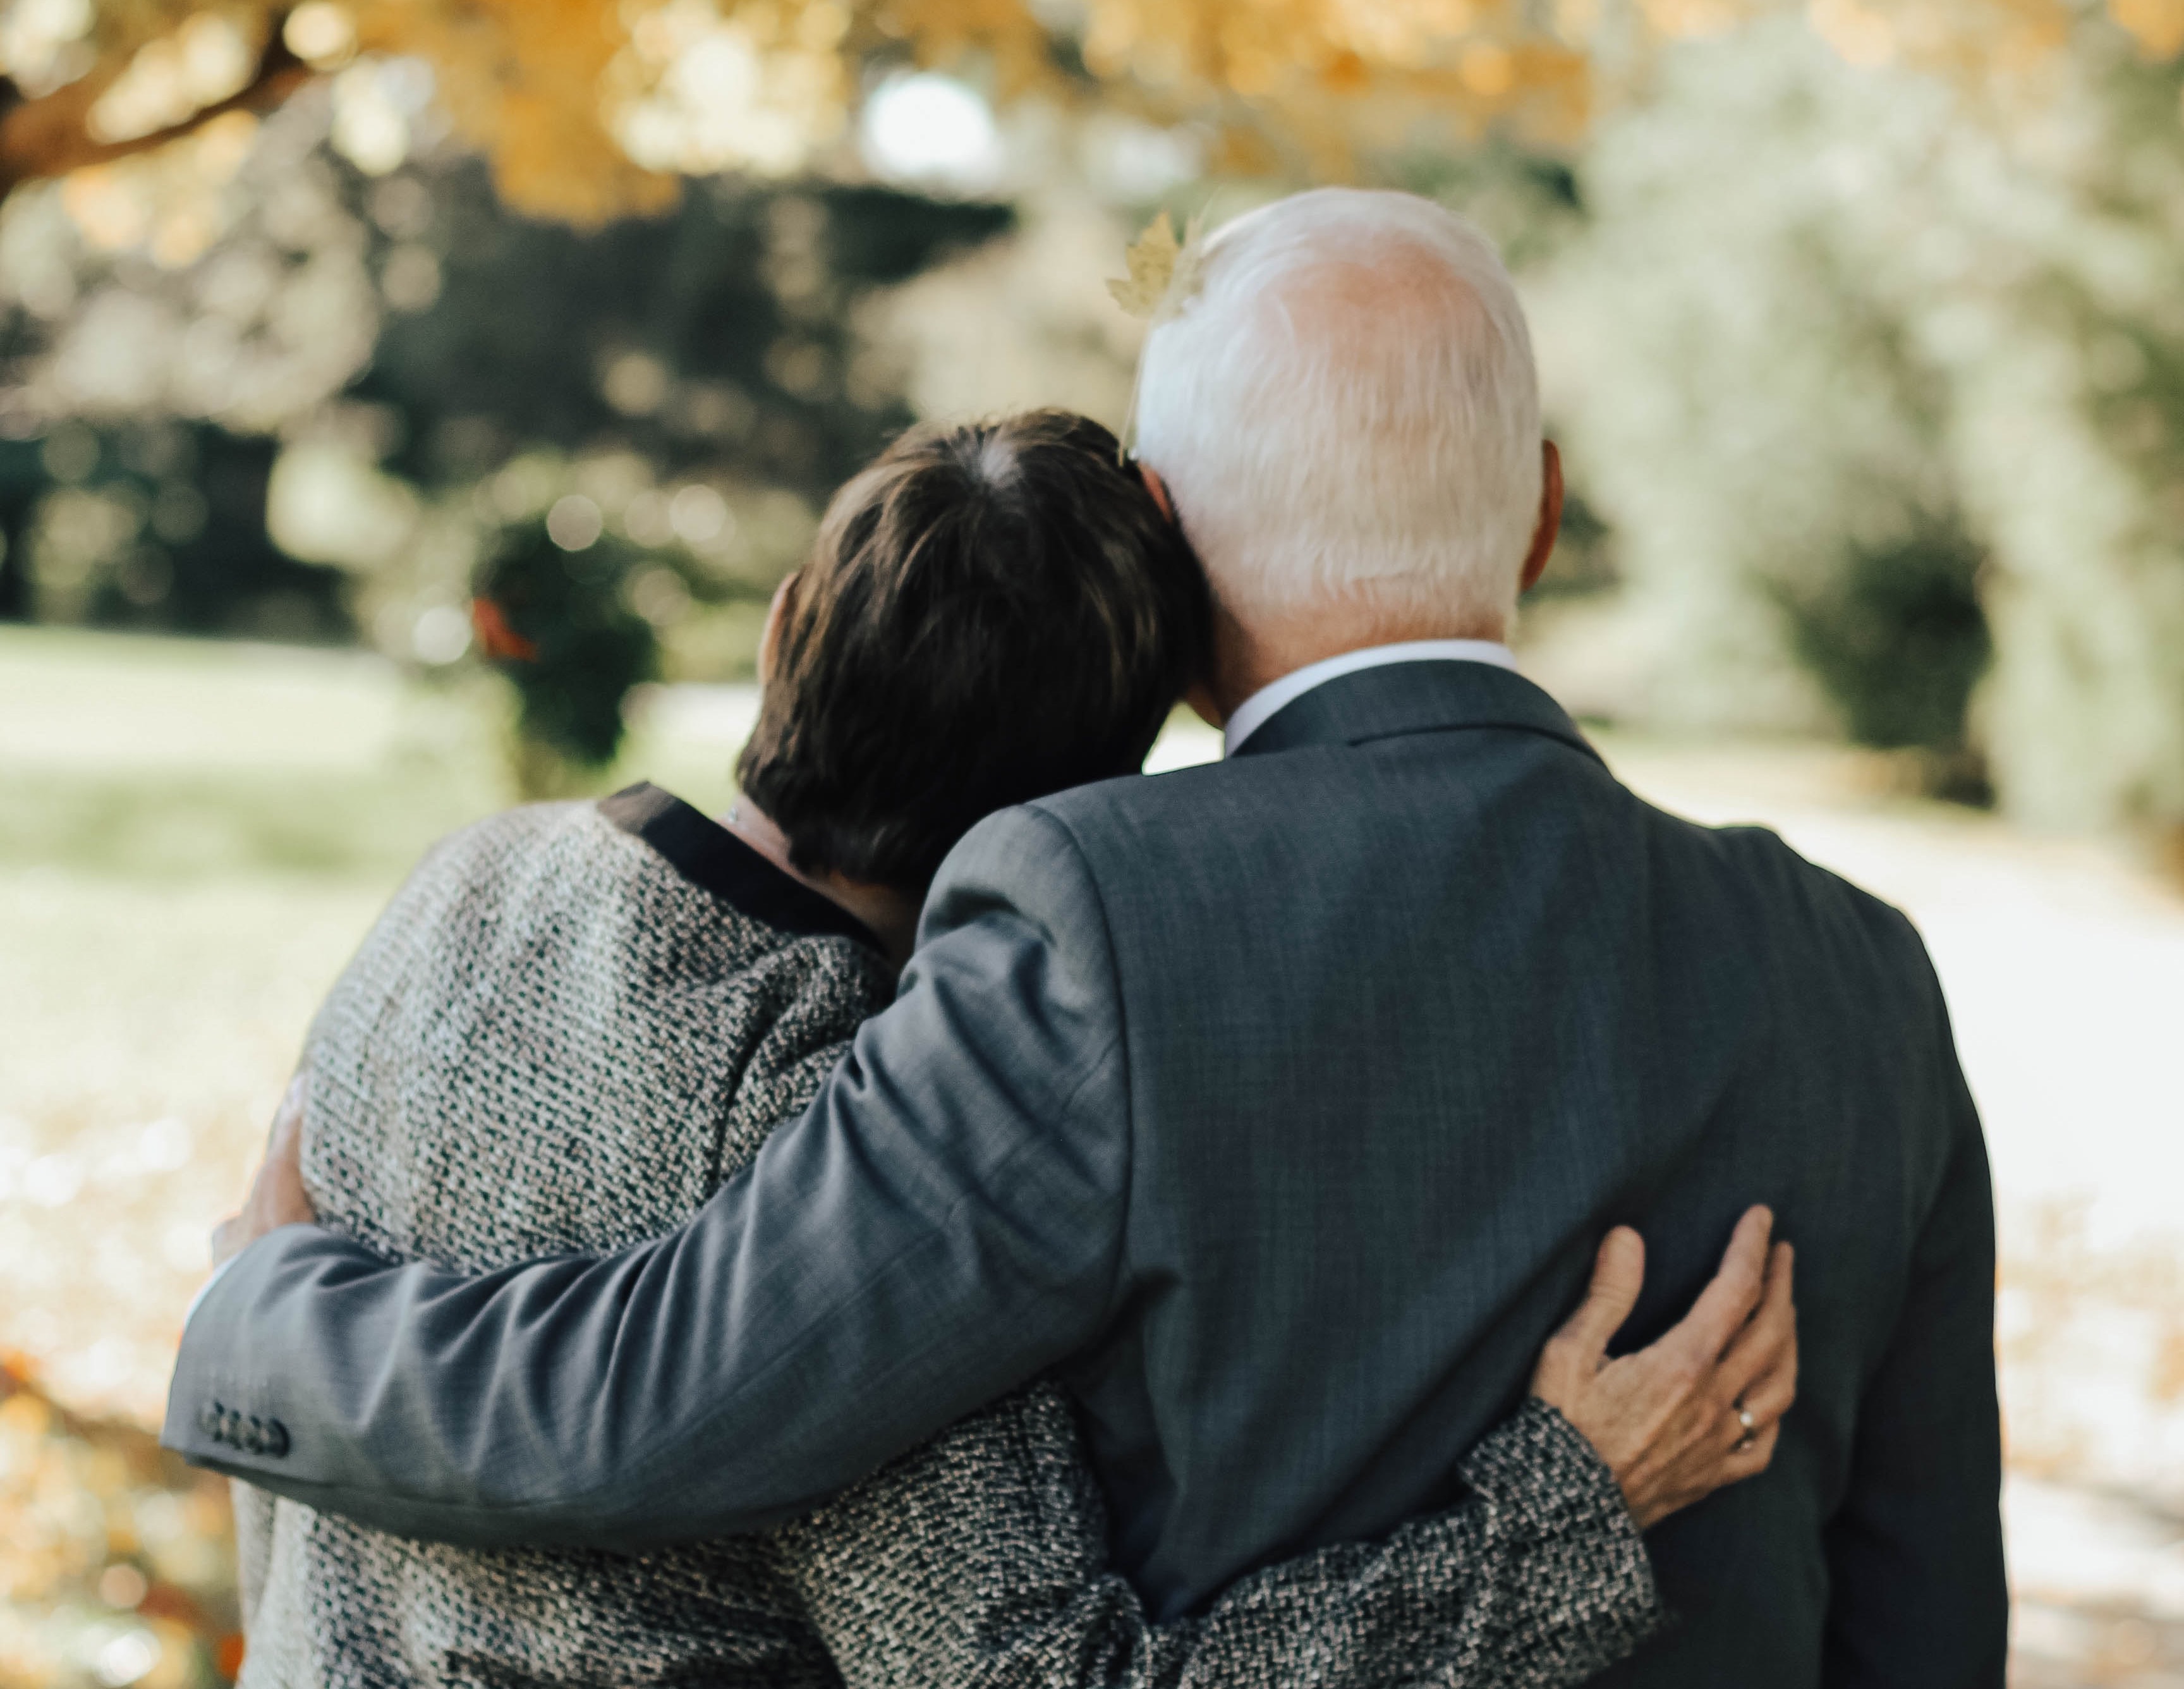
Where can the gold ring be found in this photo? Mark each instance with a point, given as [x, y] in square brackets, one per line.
[1749, 1424]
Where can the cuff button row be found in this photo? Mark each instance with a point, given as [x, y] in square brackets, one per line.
[244, 1431]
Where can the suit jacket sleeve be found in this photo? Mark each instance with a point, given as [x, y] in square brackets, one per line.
[942, 1223]
[1914, 1552]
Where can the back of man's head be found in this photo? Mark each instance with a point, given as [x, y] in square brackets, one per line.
[1346, 414]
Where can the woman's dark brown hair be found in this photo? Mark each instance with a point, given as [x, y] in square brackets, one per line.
[991, 613]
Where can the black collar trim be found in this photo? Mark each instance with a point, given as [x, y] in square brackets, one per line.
[713, 859]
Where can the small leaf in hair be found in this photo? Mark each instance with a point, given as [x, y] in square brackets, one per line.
[1152, 259]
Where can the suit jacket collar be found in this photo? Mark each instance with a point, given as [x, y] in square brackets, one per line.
[1413, 698]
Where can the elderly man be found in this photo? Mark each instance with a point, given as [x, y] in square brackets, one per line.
[1275, 1105]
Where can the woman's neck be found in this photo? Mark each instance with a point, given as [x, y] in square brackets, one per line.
[891, 915]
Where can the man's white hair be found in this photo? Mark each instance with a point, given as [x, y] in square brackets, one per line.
[1346, 410]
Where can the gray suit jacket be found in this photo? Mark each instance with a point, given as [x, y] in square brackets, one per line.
[1277, 1105]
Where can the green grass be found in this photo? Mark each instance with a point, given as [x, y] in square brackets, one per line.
[166, 759]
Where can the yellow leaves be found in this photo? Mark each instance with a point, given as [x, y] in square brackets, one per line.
[525, 81]
[1988, 42]
[321, 32]
[205, 61]
[1690, 19]
[111, 1553]
[1487, 70]
[25, 1418]
[1860, 33]
[1404, 33]
[1163, 273]
[590, 109]
[2156, 25]
[1151, 262]
[1346, 72]
[1005, 35]
[757, 88]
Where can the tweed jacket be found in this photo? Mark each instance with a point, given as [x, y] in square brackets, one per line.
[574, 1022]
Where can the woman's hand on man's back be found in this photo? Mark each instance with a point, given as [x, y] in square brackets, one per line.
[1699, 1408]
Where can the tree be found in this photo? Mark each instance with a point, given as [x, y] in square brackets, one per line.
[1874, 407]
[1868, 376]
[586, 108]
[441, 375]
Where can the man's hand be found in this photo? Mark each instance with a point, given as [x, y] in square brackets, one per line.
[276, 1195]
[1703, 1407]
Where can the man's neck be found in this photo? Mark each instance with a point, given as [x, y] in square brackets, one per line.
[891, 915]
[1249, 656]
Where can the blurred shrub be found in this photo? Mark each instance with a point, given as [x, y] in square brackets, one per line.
[1750, 414]
[157, 524]
[1861, 354]
[1897, 639]
[551, 615]
[360, 390]
[703, 377]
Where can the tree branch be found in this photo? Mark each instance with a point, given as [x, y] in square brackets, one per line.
[50, 136]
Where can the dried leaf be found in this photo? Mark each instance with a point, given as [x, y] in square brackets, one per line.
[1152, 259]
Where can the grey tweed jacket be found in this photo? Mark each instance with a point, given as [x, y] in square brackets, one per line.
[572, 1024]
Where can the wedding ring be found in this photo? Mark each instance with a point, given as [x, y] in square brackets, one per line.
[1749, 1423]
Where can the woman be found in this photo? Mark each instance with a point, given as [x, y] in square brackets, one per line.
[576, 1020]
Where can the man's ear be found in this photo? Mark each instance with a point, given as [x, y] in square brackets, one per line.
[785, 596]
[1551, 516]
[1158, 488]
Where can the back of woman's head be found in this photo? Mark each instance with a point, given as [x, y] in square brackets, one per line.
[991, 613]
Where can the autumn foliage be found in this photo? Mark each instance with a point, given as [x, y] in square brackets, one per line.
[591, 107]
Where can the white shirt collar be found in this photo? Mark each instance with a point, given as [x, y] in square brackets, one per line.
[1255, 711]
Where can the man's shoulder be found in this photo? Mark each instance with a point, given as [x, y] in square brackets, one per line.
[1134, 810]
[1799, 905]
[1073, 863]
[1771, 862]
[1127, 813]
[1165, 827]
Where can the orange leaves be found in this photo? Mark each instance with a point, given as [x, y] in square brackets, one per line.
[495, 637]
[1305, 84]
[705, 88]
[524, 80]
[1006, 32]
[110, 1551]
[590, 109]
[1974, 42]
[2156, 25]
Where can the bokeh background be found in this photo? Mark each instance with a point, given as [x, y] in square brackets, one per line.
[406, 407]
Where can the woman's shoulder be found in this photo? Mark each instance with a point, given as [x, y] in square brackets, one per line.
[576, 868]
[551, 1036]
